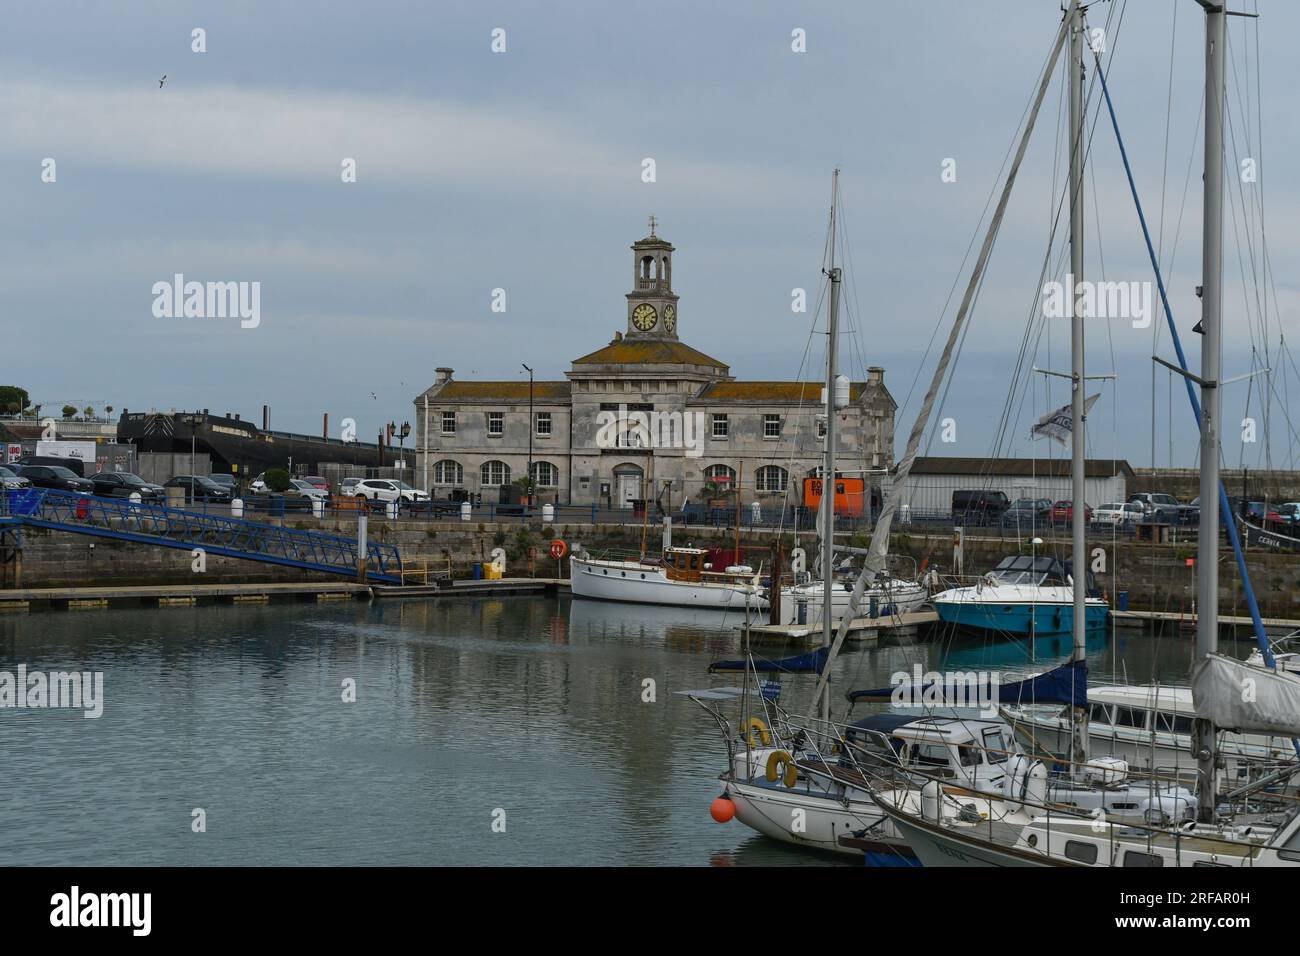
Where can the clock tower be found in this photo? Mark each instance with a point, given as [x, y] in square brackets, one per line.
[651, 305]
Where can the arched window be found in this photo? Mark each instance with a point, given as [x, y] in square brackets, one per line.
[720, 473]
[772, 478]
[494, 473]
[448, 472]
[545, 475]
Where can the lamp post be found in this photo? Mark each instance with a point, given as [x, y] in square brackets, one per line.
[531, 427]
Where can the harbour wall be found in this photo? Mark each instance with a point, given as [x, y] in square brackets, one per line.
[1154, 577]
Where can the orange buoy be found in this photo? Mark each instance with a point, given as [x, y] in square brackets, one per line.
[722, 810]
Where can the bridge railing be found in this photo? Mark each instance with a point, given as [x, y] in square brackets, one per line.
[217, 534]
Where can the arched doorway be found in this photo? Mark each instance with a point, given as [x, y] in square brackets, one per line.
[628, 481]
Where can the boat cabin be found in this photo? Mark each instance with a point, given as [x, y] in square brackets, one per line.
[938, 746]
[684, 564]
[1042, 570]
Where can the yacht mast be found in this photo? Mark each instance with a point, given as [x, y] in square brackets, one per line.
[828, 470]
[1078, 511]
[1207, 564]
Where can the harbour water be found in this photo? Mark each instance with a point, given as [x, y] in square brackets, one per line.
[463, 709]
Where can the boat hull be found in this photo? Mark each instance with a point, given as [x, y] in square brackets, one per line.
[633, 583]
[1020, 619]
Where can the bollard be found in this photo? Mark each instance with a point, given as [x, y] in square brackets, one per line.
[548, 513]
[466, 511]
[237, 508]
[318, 507]
[135, 497]
[390, 509]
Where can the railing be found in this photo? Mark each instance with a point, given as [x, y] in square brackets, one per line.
[180, 528]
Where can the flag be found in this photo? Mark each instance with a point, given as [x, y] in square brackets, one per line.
[1060, 423]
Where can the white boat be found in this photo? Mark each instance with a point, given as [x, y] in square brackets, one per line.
[804, 603]
[680, 578]
[1150, 727]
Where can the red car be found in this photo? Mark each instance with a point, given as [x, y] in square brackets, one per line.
[1063, 512]
[316, 481]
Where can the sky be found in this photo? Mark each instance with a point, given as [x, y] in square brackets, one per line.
[522, 170]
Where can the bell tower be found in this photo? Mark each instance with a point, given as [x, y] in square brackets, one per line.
[652, 305]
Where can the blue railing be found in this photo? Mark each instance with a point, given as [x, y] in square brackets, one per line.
[162, 526]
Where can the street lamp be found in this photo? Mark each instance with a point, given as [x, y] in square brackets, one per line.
[531, 428]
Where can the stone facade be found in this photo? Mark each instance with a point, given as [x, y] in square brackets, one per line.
[646, 416]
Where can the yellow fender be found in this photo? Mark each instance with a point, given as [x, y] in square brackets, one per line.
[778, 760]
[756, 725]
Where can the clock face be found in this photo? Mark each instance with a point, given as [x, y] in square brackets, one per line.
[670, 318]
[644, 317]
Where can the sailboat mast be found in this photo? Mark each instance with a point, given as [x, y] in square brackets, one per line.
[828, 470]
[1207, 564]
[1078, 510]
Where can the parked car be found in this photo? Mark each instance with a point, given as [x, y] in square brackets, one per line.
[229, 482]
[58, 478]
[74, 465]
[317, 481]
[258, 487]
[10, 480]
[1290, 512]
[1063, 512]
[1028, 513]
[978, 507]
[348, 487]
[1119, 513]
[388, 489]
[303, 488]
[122, 484]
[1158, 507]
[198, 488]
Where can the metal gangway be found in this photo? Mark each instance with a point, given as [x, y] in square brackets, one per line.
[125, 520]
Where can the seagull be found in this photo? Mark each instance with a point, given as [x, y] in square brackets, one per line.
[162, 81]
[374, 396]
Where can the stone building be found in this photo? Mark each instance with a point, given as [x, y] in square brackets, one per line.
[645, 416]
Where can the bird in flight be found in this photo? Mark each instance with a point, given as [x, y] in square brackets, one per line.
[162, 81]
[374, 396]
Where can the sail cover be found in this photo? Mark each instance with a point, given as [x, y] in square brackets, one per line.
[1067, 684]
[1237, 696]
[812, 661]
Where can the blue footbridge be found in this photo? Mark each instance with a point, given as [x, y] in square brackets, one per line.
[166, 527]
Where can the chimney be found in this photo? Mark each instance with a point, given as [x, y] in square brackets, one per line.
[444, 375]
[266, 417]
[325, 428]
[205, 414]
[875, 375]
[236, 416]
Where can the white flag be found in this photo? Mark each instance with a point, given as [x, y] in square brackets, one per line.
[1060, 423]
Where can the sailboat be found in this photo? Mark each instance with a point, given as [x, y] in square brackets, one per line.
[1016, 831]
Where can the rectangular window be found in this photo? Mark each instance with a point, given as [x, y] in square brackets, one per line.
[771, 426]
[496, 423]
[1081, 852]
[1136, 858]
[449, 423]
[719, 426]
[543, 425]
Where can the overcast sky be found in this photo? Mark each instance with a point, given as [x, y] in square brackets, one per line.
[522, 171]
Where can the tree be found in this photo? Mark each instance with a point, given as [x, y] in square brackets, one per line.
[89, 411]
[69, 411]
[11, 395]
[277, 480]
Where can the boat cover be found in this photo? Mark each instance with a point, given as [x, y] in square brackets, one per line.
[1067, 684]
[800, 663]
[1237, 696]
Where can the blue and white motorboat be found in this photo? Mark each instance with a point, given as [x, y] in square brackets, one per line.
[1023, 595]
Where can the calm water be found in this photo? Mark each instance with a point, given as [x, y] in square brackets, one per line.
[532, 705]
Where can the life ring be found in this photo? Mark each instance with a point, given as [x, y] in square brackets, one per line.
[83, 509]
[558, 548]
[755, 724]
[789, 775]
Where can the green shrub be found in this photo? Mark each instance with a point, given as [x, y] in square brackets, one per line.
[277, 480]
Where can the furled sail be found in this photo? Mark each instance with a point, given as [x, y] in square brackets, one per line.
[1237, 696]
[1067, 684]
